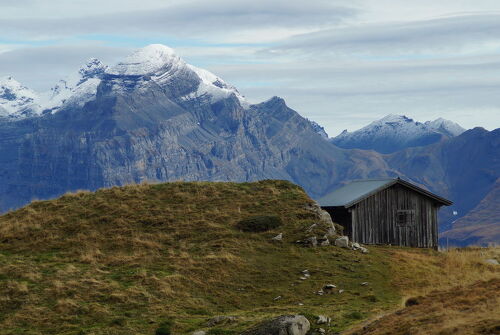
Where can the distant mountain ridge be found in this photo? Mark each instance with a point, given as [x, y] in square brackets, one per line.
[397, 132]
[153, 117]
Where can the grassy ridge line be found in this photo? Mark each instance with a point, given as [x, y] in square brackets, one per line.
[122, 260]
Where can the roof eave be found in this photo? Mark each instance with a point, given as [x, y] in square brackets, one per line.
[369, 194]
[437, 198]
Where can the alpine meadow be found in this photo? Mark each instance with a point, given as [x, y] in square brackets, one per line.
[253, 168]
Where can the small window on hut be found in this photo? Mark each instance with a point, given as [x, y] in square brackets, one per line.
[405, 217]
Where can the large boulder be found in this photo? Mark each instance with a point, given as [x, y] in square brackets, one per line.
[325, 224]
[342, 242]
[282, 325]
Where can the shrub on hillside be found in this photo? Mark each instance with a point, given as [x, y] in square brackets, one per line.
[165, 328]
[259, 223]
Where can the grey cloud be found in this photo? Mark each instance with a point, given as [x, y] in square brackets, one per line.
[187, 18]
[437, 35]
[39, 68]
[349, 95]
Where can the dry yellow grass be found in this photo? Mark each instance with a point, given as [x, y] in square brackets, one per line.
[467, 310]
[454, 292]
[420, 274]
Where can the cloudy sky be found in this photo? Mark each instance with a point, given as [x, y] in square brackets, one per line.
[340, 63]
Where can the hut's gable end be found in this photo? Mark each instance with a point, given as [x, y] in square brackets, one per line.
[396, 215]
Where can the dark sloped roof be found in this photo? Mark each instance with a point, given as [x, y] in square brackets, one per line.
[359, 190]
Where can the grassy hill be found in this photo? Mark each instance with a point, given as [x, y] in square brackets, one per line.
[124, 260]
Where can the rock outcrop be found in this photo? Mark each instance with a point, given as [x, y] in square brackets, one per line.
[283, 325]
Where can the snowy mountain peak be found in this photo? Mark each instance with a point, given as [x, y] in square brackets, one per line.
[16, 100]
[392, 118]
[395, 132]
[446, 127]
[148, 60]
[92, 69]
[154, 63]
[77, 88]
[11, 89]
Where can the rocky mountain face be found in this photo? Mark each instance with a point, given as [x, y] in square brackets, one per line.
[397, 132]
[152, 117]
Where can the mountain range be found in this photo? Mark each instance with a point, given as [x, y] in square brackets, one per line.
[153, 117]
[396, 132]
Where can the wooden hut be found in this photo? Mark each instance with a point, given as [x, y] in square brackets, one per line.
[386, 211]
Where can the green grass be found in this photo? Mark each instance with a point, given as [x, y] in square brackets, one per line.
[124, 260]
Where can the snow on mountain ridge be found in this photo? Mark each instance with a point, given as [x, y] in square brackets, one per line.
[445, 126]
[396, 132]
[154, 62]
[78, 88]
[16, 100]
[214, 86]
[147, 60]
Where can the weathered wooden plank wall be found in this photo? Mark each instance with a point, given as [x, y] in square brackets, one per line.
[375, 221]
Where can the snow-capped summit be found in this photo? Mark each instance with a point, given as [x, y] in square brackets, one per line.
[78, 88]
[154, 63]
[446, 127]
[16, 100]
[146, 61]
[394, 118]
[160, 63]
[395, 132]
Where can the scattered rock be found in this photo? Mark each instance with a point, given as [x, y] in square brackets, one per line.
[278, 238]
[329, 287]
[303, 278]
[356, 246]
[321, 319]
[301, 304]
[324, 241]
[320, 292]
[363, 250]
[277, 298]
[199, 332]
[282, 325]
[312, 241]
[365, 283]
[492, 261]
[342, 242]
[321, 331]
[341, 291]
[220, 320]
